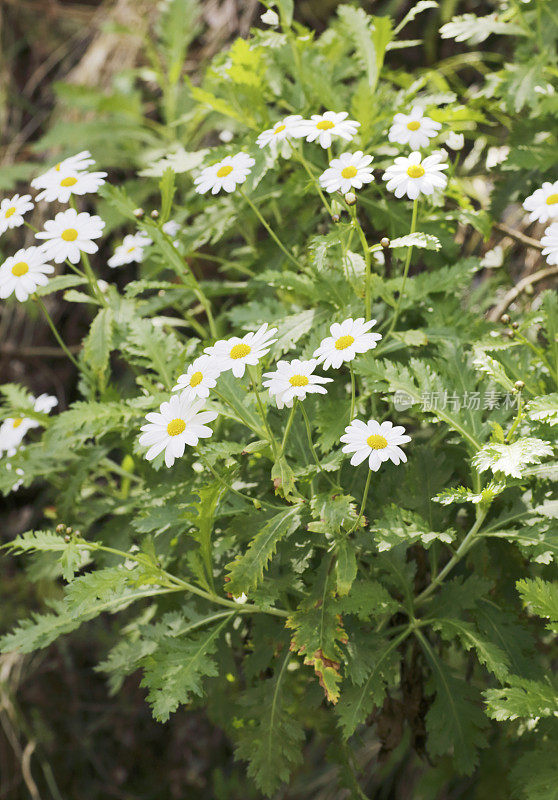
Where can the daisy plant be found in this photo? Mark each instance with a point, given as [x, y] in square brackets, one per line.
[305, 460]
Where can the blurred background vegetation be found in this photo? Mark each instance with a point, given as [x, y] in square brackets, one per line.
[63, 66]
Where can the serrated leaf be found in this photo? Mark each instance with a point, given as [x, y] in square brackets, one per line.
[542, 598]
[246, 571]
[522, 699]
[98, 344]
[510, 459]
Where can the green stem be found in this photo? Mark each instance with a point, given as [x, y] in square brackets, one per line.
[405, 271]
[363, 504]
[270, 230]
[517, 418]
[463, 548]
[353, 391]
[91, 279]
[304, 162]
[367, 261]
[235, 491]
[312, 448]
[289, 424]
[55, 332]
[271, 437]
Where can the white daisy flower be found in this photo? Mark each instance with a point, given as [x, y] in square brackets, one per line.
[237, 353]
[75, 163]
[413, 176]
[550, 242]
[62, 184]
[294, 379]
[543, 203]
[180, 421]
[12, 210]
[225, 174]
[281, 131]
[199, 378]
[349, 171]
[324, 127]
[13, 429]
[131, 249]
[413, 129]
[69, 234]
[347, 339]
[23, 272]
[374, 441]
[44, 403]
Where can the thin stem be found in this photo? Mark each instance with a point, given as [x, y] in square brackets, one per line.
[231, 488]
[270, 230]
[363, 504]
[353, 392]
[304, 162]
[517, 418]
[289, 424]
[312, 449]
[463, 548]
[263, 415]
[367, 261]
[405, 271]
[55, 332]
[249, 425]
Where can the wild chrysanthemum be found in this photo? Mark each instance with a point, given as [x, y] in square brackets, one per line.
[23, 272]
[180, 421]
[413, 129]
[375, 441]
[347, 339]
[199, 378]
[412, 175]
[237, 353]
[226, 174]
[12, 210]
[69, 234]
[323, 127]
[550, 243]
[294, 379]
[132, 249]
[61, 185]
[13, 429]
[281, 131]
[75, 163]
[543, 203]
[349, 171]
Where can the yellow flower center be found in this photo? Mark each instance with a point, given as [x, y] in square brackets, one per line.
[551, 200]
[222, 172]
[68, 182]
[414, 125]
[343, 342]
[57, 167]
[69, 235]
[196, 379]
[19, 269]
[299, 380]
[11, 211]
[240, 350]
[279, 129]
[349, 172]
[18, 421]
[325, 125]
[175, 426]
[131, 249]
[376, 442]
[415, 171]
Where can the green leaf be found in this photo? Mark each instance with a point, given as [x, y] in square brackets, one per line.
[399, 526]
[370, 36]
[58, 283]
[98, 344]
[168, 188]
[522, 699]
[346, 566]
[544, 409]
[494, 659]
[174, 673]
[534, 776]
[493, 368]
[473, 29]
[510, 459]
[542, 598]
[282, 477]
[271, 738]
[455, 724]
[246, 571]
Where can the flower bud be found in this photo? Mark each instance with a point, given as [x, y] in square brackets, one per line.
[385, 242]
[515, 325]
[154, 214]
[350, 198]
[139, 213]
[505, 318]
[455, 141]
[519, 385]
[60, 528]
[335, 217]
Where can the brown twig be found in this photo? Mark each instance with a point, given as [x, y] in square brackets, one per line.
[528, 241]
[535, 277]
